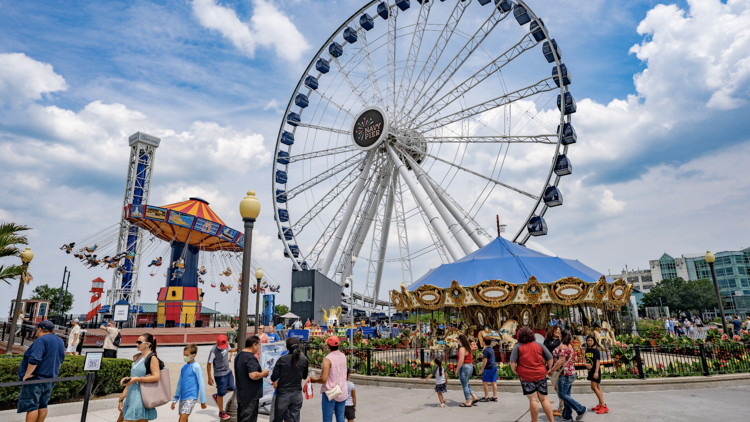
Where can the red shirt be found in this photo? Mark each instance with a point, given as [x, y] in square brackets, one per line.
[468, 358]
[531, 359]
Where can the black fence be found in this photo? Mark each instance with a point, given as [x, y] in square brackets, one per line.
[89, 377]
[26, 334]
[620, 362]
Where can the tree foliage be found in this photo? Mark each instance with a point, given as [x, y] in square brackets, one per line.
[681, 295]
[9, 241]
[281, 310]
[45, 292]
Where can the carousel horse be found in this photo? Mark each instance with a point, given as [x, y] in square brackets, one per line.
[507, 331]
[609, 333]
[227, 272]
[68, 247]
[155, 262]
[202, 271]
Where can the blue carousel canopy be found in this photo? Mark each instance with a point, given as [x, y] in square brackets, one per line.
[504, 260]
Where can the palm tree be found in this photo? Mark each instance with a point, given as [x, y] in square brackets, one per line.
[9, 239]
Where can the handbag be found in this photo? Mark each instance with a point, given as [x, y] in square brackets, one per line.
[155, 394]
[334, 391]
[308, 389]
[556, 375]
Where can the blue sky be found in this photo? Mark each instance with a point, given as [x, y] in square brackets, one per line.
[662, 89]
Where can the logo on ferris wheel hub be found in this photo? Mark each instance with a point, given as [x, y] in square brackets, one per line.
[370, 127]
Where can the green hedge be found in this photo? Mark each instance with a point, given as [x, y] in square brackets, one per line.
[107, 379]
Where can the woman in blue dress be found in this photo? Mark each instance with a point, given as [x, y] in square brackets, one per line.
[133, 409]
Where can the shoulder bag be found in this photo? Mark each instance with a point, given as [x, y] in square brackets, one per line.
[335, 391]
[155, 394]
[556, 375]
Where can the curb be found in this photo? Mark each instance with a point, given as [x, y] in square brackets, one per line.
[581, 386]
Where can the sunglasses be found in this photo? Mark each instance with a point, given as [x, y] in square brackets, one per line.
[141, 342]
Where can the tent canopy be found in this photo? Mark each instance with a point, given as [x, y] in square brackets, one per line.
[288, 315]
[504, 260]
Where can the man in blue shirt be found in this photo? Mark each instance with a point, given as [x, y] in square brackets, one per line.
[40, 361]
[272, 336]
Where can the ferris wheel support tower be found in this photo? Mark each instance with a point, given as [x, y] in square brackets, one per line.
[137, 189]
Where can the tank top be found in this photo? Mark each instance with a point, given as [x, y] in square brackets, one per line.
[468, 358]
[336, 375]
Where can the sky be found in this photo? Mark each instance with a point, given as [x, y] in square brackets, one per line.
[660, 164]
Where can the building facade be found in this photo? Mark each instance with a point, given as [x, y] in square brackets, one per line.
[641, 279]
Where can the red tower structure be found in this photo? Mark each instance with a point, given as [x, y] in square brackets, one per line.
[97, 291]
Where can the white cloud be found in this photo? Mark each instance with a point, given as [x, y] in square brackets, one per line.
[268, 28]
[23, 78]
[272, 105]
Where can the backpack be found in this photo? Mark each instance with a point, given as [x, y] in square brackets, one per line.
[117, 340]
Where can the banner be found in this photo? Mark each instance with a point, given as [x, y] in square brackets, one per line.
[300, 334]
[269, 304]
[269, 355]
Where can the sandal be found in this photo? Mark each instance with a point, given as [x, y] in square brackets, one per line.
[441, 405]
[464, 405]
[492, 399]
[483, 400]
[474, 402]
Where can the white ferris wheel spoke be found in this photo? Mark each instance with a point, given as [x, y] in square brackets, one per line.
[326, 200]
[328, 129]
[352, 161]
[351, 83]
[432, 217]
[463, 55]
[365, 48]
[542, 86]
[489, 179]
[325, 237]
[391, 97]
[527, 42]
[333, 103]
[403, 235]
[550, 139]
[379, 244]
[414, 47]
[435, 54]
[322, 153]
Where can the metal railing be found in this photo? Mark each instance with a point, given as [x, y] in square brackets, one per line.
[26, 334]
[89, 377]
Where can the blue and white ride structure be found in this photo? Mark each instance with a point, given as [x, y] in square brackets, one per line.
[432, 98]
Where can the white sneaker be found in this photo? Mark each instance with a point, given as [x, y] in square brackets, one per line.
[580, 417]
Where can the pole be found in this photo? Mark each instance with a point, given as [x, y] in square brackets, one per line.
[14, 318]
[89, 382]
[67, 286]
[351, 320]
[59, 301]
[257, 304]
[718, 298]
[216, 309]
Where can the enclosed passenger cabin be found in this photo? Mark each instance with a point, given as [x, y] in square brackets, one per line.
[293, 118]
[568, 134]
[311, 82]
[287, 233]
[547, 50]
[504, 5]
[335, 49]
[383, 10]
[570, 103]
[350, 35]
[552, 196]
[366, 21]
[282, 157]
[302, 265]
[301, 100]
[484, 2]
[281, 196]
[287, 138]
[403, 4]
[565, 74]
[536, 29]
[563, 166]
[294, 249]
[283, 215]
[322, 65]
[281, 177]
[521, 14]
[537, 226]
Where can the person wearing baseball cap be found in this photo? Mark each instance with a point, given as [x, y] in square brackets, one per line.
[40, 361]
[218, 358]
[73, 338]
[333, 373]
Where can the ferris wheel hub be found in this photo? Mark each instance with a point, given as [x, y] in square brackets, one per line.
[370, 128]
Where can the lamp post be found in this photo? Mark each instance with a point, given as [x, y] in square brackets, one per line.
[351, 311]
[215, 315]
[710, 259]
[26, 257]
[249, 210]
[258, 278]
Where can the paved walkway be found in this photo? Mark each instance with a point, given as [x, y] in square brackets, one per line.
[376, 404]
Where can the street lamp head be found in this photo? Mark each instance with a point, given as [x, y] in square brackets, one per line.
[250, 206]
[259, 273]
[710, 258]
[27, 256]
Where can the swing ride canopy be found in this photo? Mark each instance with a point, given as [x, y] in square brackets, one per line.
[192, 222]
[505, 273]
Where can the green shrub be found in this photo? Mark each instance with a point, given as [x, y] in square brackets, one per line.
[107, 379]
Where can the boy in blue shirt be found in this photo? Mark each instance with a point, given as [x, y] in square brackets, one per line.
[190, 386]
[489, 371]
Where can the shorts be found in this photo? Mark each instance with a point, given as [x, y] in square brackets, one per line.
[529, 387]
[224, 383]
[489, 375]
[349, 412]
[34, 397]
[110, 353]
[186, 406]
[596, 380]
[441, 388]
[72, 348]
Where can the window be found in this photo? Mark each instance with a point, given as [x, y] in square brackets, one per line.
[302, 294]
[42, 310]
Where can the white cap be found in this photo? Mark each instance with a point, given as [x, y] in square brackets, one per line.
[75, 320]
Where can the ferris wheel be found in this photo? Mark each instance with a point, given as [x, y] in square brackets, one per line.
[419, 115]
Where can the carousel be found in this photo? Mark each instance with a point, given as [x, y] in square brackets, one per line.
[503, 286]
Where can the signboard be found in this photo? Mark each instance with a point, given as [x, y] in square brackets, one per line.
[205, 226]
[121, 312]
[156, 213]
[369, 128]
[300, 334]
[181, 219]
[93, 361]
[228, 234]
[269, 355]
[269, 304]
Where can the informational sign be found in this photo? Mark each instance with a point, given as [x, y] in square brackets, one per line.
[121, 313]
[300, 334]
[269, 355]
[369, 128]
[93, 361]
[269, 304]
